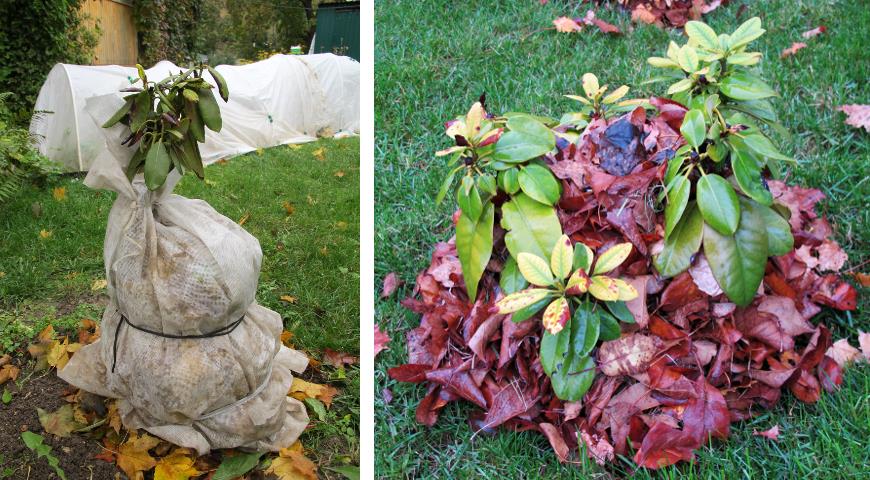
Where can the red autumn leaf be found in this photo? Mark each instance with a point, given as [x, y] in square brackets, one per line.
[556, 441]
[772, 433]
[664, 445]
[835, 293]
[792, 49]
[815, 31]
[605, 27]
[830, 374]
[857, 116]
[381, 340]
[411, 372]
[707, 415]
[806, 388]
[391, 283]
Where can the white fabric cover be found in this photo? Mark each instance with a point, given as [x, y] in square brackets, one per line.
[176, 266]
[284, 99]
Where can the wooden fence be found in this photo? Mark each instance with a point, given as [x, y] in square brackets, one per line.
[118, 43]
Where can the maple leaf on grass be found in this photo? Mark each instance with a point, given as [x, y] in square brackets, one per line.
[338, 359]
[857, 116]
[178, 465]
[300, 390]
[381, 340]
[772, 433]
[843, 353]
[566, 25]
[816, 31]
[391, 283]
[792, 49]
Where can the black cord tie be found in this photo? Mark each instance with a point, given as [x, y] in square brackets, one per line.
[226, 329]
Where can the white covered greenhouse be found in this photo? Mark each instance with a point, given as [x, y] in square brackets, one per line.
[284, 99]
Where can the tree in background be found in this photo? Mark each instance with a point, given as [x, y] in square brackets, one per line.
[35, 35]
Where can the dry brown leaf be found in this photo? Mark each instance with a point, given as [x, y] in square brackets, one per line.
[8, 372]
[285, 337]
[626, 356]
[113, 417]
[288, 207]
[244, 218]
[99, 284]
[862, 278]
[857, 116]
[89, 331]
[703, 277]
[792, 49]
[61, 422]
[289, 299]
[831, 256]
[133, 456]
[843, 353]
[59, 193]
[339, 173]
[338, 359]
[391, 283]
[566, 25]
[300, 389]
[43, 234]
[178, 465]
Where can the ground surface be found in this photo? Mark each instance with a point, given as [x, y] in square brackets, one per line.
[311, 254]
[430, 69]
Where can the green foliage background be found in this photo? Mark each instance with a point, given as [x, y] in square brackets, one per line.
[34, 35]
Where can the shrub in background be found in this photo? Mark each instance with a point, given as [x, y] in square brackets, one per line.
[20, 162]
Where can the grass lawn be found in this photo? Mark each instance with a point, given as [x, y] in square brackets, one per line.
[433, 59]
[311, 254]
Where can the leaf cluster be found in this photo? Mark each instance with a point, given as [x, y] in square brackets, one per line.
[166, 120]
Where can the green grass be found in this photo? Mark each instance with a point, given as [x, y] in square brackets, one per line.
[433, 59]
[311, 254]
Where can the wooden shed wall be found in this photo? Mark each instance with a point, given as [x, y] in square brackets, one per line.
[118, 43]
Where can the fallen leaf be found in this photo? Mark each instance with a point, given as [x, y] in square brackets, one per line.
[59, 353]
[864, 342]
[293, 465]
[792, 49]
[863, 279]
[89, 331]
[113, 417]
[133, 456]
[288, 207]
[319, 153]
[599, 449]
[703, 277]
[381, 340]
[43, 234]
[341, 225]
[566, 25]
[391, 283]
[604, 27]
[99, 284]
[178, 465]
[338, 359]
[61, 422]
[857, 116]
[812, 33]
[771, 433]
[59, 193]
[339, 173]
[300, 389]
[843, 353]
[289, 299]
[664, 445]
[627, 355]
[831, 256]
[324, 251]
[244, 218]
[285, 337]
[8, 372]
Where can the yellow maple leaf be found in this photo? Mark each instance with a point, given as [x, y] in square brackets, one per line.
[59, 193]
[319, 153]
[114, 418]
[133, 457]
[99, 284]
[285, 337]
[178, 465]
[293, 465]
[58, 353]
[300, 390]
[43, 234]
[289, 298]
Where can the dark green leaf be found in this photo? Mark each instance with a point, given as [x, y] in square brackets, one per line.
[748, 176]
[511, 280]
[532, 226]
[197, 129]
[681, 244]
[779, 238]
[236, 466]
[157, 165]
[694, 129]
[718, 203]
[609, 329]
[738, 260]
[474, 246]
[678, 198]
[124, 110]
[469, 199]
[221, 83]
[539, 183]
[351, 472]
[209, 110]
[554, 348]
[530, 311]
[445, 185]
[526, 139]
[743, 86]
[585, 329]
[573, 378]
[620, 311]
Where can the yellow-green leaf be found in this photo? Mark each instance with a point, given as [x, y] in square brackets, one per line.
[616, 95]
[535, 269]
[556, 316]
[562, 258]
[626, 291]
[522, 299]
[612, 258]
[590, 84]
[578, 284]
[604, 288]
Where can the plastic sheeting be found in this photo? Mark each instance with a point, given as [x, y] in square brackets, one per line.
[284, 99]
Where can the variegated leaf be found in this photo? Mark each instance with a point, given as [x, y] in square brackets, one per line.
[562, 258]
[522, 299]
[604, 288]
[556, 315]
[535, 269]
[612, 258]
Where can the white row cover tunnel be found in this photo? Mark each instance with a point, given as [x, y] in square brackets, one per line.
[284, 99]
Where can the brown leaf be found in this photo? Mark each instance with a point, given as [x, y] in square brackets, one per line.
[566, 25]
[702, 275]
[300, 389]
[61, 422]
[338, 359]
[598, 448]
[772, 433]
[831, 256]
[843, 353]
[707, 415]
[664, 445]
[775, 322]
[8, 372]
[557, 441]
[292, 464]
[381, 340]
[857, 116]
[792, 49]
[133, 456]
[391, 283]
[627, 355]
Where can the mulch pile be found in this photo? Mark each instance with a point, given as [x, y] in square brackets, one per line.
[705, 362]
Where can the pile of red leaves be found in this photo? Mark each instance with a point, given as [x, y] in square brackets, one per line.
[674, 13]
[704, 362]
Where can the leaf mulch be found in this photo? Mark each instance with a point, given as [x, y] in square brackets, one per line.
[690, 365]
